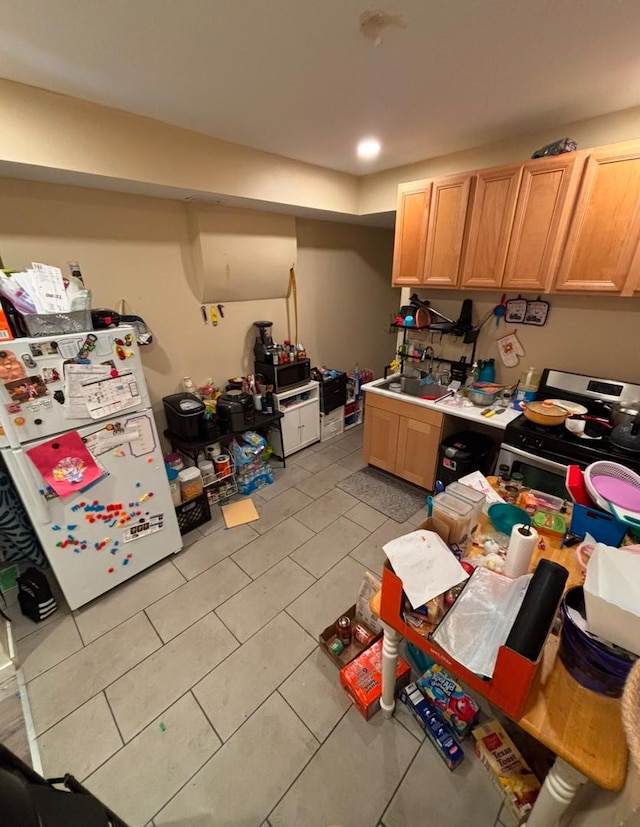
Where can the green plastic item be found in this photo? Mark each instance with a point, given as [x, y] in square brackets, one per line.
[549, 522]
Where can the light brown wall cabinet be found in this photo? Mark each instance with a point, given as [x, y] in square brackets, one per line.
[448, 204]
[559, 224]
[402, 438]
[411, 233]
[492, 210]
[605, 225]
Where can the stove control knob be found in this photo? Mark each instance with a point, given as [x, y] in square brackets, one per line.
[37, 422]
[19, 420]
[538, 443]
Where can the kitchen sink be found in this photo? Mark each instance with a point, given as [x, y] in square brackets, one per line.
[410, 386]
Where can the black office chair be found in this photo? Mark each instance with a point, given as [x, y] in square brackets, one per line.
[29, 800]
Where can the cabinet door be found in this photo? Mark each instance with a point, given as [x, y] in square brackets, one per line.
[605, 227]
[291, 431]
[309, 423]
[445, 229]
[380, 438]
[492, 210]
[411, 232]
[546, 195]
[417, 453]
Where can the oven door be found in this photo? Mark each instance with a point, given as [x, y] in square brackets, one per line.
[538, 472]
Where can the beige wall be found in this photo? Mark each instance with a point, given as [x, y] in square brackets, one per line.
[45, 129]
[137, 248]
[583, 334]
[378, 191]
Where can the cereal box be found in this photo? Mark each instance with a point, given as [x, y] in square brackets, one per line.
[507, 767]
[452, 703]
[362, 679]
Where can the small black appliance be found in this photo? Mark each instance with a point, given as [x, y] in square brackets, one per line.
[462, 453]
[184, 413]
[263, 347]
[235, 411]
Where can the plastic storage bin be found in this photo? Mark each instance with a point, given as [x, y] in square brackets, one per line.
[453, 519]
[193, 514]
[469, 495]
[603, 527]
[53, 324]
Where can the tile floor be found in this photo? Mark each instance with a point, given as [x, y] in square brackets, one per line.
[196, 695]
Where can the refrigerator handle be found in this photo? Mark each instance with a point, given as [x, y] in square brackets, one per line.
[35, 503]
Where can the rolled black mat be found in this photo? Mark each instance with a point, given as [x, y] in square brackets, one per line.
[533, 621]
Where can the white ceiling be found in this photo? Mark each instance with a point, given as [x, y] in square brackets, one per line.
[296, 77]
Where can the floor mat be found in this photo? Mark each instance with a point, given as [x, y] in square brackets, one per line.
[392, 497]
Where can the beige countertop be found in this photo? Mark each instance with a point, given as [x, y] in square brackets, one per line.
[444, 406]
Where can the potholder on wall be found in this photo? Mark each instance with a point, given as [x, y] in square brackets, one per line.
[510, 349]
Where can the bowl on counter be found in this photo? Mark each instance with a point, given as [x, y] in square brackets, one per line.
[483, 393]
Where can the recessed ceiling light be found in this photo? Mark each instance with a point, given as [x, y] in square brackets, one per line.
[369, 148]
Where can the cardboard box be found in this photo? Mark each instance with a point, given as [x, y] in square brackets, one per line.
[5, 329]
[349, 652]
[437, 731]
[509, 771]
[362, 679]
[448, 698]
[612, 596]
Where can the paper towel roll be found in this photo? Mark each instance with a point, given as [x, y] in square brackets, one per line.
[522, 544]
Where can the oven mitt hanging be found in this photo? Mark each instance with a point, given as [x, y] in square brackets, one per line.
[510, 350]
[144, 336]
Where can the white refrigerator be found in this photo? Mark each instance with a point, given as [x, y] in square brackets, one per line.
[98, 538]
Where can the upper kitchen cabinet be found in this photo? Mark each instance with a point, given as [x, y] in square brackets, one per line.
[445, 230]
[411, 232]
[492, 212]
[545, 198]
[605, 227]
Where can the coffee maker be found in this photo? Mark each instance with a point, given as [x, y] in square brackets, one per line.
[263, 347]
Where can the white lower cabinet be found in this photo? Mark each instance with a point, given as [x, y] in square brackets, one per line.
[301, 422]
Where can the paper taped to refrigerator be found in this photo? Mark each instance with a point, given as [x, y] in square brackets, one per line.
[66, 464]
[105, 397]
[111, 437]
[76, 376]
[151, 526]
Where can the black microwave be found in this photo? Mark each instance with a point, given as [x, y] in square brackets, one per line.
[285, 376]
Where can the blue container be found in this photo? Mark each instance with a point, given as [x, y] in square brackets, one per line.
[602, 526]
[593, 665]
[521, 396]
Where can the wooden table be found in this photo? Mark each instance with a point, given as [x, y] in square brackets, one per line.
[582, 728]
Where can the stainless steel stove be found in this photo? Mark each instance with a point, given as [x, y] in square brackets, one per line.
[542, 453]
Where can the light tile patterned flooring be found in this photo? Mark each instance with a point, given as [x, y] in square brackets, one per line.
[195, 694]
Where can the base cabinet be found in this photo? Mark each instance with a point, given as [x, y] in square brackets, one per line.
[402, 438]
[381, 438]
[301, 423]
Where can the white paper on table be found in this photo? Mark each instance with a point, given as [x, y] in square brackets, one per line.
[479, 482]
[105, 397]
[425, 564]
[480, 620]
[612, 596]
[76, 376]
[50, 295]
